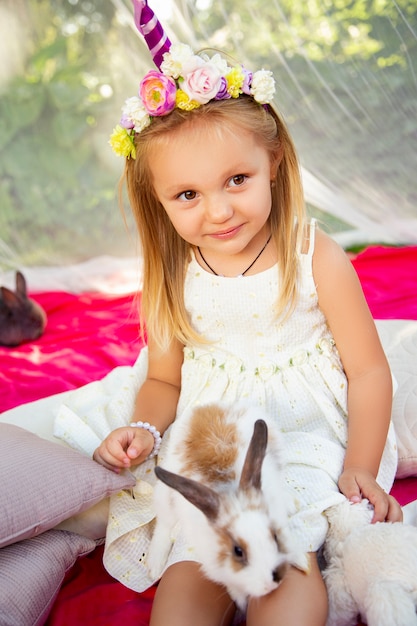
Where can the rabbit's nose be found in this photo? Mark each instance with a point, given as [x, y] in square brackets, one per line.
[279, 573]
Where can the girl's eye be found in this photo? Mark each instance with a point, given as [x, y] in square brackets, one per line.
[238, 180]
[187, 195]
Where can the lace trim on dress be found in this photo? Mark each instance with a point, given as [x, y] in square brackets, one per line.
[234, 365]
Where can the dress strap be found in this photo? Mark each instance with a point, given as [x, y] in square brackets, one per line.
[312, 237]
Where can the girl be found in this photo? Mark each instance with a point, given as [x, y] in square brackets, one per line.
[242, 297]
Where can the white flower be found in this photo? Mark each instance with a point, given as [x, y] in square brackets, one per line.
[266, 370]
[263, 86]
[325, 346]
[192, 63]
[233, 366]
[134, 111]
[174, 60]
[299, 358]
[218, 61]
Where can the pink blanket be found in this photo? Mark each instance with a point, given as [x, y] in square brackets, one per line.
[86, 336]
[389, 281]
[90, 334]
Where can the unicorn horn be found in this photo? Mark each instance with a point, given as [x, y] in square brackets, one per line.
[149, 26]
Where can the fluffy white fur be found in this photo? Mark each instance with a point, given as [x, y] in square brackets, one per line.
[371, 568]
[237, 527]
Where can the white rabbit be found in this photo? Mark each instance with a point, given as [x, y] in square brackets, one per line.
[225, 489]
[371, 568]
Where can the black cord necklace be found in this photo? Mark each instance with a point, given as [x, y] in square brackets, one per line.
[246, 270]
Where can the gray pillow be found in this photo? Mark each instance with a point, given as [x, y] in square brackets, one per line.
[31, 574]
[43, 483]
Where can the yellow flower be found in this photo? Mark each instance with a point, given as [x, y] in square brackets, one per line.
[183, 101]
[235, 80]
[121, 141]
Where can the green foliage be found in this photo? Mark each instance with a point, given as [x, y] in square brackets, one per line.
[58, 197]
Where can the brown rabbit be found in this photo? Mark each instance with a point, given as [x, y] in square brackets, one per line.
[21, 319]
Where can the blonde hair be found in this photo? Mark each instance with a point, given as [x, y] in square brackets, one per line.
[166, 254]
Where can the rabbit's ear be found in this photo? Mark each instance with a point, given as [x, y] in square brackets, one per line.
[21, 285]
[252, 467]
[199, 495]
[10, 299]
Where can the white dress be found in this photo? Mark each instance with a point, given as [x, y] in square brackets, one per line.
[291, 368]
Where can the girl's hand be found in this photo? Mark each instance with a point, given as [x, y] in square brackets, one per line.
[356, 483]
[124, 447]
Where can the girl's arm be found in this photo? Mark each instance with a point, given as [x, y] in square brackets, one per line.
[369, 378]
[156, 403]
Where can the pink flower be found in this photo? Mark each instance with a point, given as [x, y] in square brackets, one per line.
[157, 93]
[202, 83]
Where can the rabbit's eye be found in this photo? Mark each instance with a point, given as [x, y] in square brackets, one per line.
[239, 552]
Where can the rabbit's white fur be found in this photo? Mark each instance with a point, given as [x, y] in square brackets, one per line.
[371, 569]
[240, 539]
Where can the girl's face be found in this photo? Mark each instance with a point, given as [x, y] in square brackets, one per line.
[216, 190]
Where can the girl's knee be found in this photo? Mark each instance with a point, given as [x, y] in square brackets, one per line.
[300, 600]
[197, 600]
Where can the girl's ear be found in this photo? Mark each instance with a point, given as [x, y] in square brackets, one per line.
[275, 162]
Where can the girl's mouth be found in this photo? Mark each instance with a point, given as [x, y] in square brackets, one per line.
[226, 234]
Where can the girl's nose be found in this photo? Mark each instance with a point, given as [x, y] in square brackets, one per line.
[218, 208]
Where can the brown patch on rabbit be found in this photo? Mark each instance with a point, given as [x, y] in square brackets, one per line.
[215, 455]
[238, 547]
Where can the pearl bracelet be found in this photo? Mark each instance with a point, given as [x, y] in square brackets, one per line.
[154, 432]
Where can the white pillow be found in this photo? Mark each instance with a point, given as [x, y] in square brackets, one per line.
[399, 340]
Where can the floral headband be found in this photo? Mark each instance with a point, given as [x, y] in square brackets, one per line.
[185, 81]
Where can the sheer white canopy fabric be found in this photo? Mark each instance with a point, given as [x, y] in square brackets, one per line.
[346, 84]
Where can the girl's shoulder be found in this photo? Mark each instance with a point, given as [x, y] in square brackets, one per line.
[328, 255]
[336, 281]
